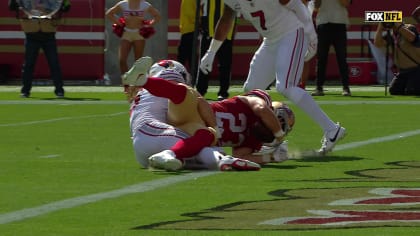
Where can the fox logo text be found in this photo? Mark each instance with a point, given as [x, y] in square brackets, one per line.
[383, 16]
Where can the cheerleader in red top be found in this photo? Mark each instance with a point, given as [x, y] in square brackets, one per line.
[131, 15]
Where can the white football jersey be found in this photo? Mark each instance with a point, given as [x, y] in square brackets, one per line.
[146, 108]
[271, 19]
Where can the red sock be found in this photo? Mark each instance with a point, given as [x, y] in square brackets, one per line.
[193, 145]
[166, 89]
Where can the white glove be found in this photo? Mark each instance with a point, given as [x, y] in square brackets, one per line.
[313, 41]
[206, 63]
[280, 154]
[312, 48]
[265, 150]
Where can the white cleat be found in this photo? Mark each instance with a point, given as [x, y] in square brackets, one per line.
[331, 138]
[138, 73]
[165, 160]
[228, 163]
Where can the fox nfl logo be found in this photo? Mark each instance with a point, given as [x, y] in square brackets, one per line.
[383, 16]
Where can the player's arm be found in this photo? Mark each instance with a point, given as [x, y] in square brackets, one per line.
[111, 12]
[222, 29]
[266, 114]
[225, 23]
[206, 113]
[246, 153]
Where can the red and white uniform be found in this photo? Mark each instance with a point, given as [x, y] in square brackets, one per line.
[234, 120]
[284, 46]
[282, 53]
[150, 132]
[272, 20]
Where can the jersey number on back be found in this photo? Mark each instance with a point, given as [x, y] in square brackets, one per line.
[260, 15]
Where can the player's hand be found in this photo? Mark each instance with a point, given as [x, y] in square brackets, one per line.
[313, 40]
[206, 63]
[312, 47]
[281, 153]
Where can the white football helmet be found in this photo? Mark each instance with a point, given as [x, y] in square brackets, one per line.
[162, 65]
[285, 116]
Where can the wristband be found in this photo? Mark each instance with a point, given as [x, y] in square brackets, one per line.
[279, 133]
[215, 45]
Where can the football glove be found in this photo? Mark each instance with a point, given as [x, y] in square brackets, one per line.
[206, 63]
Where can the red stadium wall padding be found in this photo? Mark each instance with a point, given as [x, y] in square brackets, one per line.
[80, 39]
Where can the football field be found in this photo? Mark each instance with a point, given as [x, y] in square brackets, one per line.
[67, 168]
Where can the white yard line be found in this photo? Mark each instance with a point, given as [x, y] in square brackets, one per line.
[377, 140]
[77, 201]
[61, 119]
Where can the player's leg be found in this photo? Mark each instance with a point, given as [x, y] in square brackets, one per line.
[213, 158]
[289, 66]
[262, 68]
[154, 137]
[186, 116]
[185, 148]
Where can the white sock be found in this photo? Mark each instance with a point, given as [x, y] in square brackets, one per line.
[305, 102]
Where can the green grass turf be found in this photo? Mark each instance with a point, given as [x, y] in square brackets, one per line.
[52, 150]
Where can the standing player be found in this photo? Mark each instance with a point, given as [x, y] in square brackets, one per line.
[285, 26]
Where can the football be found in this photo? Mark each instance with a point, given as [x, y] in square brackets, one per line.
[262, 133]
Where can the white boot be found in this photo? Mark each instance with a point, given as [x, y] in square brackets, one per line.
[138, 73]
[165, 160]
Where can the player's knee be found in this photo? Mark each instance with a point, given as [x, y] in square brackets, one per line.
[294, 93]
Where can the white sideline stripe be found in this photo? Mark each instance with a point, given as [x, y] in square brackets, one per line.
[60, 119]
[377, 140]
[152, 185]
[77, 201]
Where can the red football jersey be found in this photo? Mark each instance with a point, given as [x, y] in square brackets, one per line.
[234, 120]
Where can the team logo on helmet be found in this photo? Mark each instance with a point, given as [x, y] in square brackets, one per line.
[171, 74]
[285, 115]
[173, 65]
